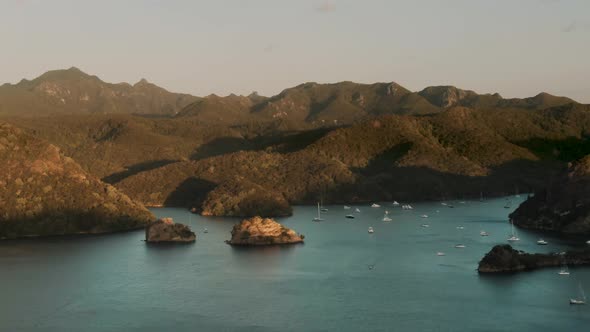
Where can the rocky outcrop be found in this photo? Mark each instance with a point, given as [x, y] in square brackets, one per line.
[564, 206]
[503, 259]
[43, 193]
[259, 231]
[165, 230]
[242, 198]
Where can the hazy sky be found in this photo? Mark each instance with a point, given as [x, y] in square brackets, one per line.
[515, 47]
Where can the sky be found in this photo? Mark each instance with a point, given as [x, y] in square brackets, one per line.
[517, 48]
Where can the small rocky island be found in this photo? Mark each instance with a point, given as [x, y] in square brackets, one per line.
[259, 231]
[165, 230]
[505, 259]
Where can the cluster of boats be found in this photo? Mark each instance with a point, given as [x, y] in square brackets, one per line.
[512, 238]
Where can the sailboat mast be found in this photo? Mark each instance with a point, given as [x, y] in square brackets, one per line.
[318, 210]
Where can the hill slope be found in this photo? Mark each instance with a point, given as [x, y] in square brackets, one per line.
[73, 91]
[563, 206]
[457, 153]
[44, 193]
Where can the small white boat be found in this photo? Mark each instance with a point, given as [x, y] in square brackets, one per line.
[460, 246]
[395, 203]
[440, 253]
[484, 233]
[357, 210]
[424, 216]
[425, 225]
[346, 207]
[318, 218]
[375, 205]
[410, 207]
[462, 202]
[371, 230]
[205, 230]
[386, 216]
[460, 227]
[581, 299]
[588, 242]
[564, 270]
[349, 216]
[513, 237]
[542, 242]
[443, 203]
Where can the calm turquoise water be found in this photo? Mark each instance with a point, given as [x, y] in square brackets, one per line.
[118, 283]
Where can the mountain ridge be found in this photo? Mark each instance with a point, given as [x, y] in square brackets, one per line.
[316, 104]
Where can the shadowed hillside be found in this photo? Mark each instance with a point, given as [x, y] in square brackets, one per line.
[458, 153]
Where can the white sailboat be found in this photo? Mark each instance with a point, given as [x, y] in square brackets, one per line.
[460, 246]
[542, 242]
[357, 210]
[440, 253]
[318, 218]
[375, 205]
[371, 231]
[386, 216]
[484, 233]
[424, 216]
[346, 207]
[564, 270]
[395, 203]
[581, 299]
[513, 237]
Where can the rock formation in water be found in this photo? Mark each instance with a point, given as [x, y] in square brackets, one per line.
[43, 193]
[259, 231]
[564, 206]
[166, 230]
[242, 198]
[503, 258]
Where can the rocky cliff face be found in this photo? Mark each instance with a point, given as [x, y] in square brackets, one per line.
[503, 258]
[259, 231]
[45, 193]
[564, 206]
[165, 231]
